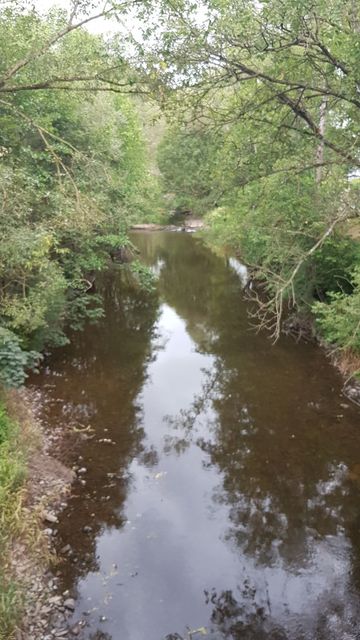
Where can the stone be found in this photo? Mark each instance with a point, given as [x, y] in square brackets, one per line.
[69, 604]
[60, 633]
[65, 549]
[75, 630]
[50, 517]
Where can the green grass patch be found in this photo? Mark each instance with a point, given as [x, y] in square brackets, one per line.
[12, 475]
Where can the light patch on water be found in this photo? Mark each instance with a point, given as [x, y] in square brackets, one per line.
[241, 270]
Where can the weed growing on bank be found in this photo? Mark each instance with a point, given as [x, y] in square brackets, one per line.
[12, 477]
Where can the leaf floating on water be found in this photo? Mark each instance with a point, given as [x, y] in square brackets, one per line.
[106, 441]
[88, 429]
[202, 631]
[160, 474]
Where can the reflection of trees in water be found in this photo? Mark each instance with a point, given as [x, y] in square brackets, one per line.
[236, 616]
[197, 284]
[279, 505]
[241, 617]
[283, 468]
[265, 418]
[246, 615]
[93, 385]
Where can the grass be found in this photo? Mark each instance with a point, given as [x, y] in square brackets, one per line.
[12, 476]
[24, 551]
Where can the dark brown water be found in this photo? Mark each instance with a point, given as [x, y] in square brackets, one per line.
[223, 474]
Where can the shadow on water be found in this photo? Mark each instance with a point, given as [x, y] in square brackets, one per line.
[221, 493]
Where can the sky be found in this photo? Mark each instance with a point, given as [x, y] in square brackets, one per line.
[101, 25]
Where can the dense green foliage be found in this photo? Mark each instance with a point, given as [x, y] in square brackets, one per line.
[187, 161]
[339, 319]
[73, 176]
[262, 100]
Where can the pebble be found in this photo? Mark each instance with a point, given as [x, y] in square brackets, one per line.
[66, 549]
[50, 517]
[75, 630]
[60, 633]
[69, 604]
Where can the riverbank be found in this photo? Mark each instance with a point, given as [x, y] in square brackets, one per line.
[188, 225]
[33, 490]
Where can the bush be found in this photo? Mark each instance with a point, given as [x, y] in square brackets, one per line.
[339, 319]
[14, 361]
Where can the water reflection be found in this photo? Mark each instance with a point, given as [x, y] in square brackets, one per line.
[223, 474]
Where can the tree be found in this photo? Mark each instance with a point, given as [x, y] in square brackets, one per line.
[73, 172]
[278, 82]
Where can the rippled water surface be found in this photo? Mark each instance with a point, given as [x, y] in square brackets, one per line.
[222, 486]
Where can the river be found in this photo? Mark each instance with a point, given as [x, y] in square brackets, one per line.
[219, 484]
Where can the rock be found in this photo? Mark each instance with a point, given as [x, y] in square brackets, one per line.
[82, 471]
[50, 517]
[194, 224]
[352, 391]
[45, 611]
[148, 227]
[75, 630]
[69, 604]
[87, 529]
[60, 633]
[66, 549]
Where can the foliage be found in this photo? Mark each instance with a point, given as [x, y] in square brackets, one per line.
[143, 276]
[272, 89]
[186, 159]
[14, 361]
[73, 174]
[11, 479]
[339, 319]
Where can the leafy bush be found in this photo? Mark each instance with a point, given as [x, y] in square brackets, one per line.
[143, 276]
[339, 319]
[14, 361]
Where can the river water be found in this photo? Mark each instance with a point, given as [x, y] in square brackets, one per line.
[222, 487]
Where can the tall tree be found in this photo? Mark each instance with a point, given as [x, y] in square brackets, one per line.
[279, 81]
